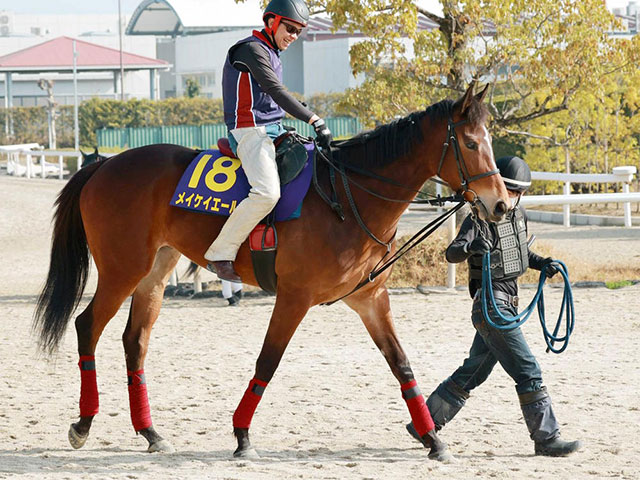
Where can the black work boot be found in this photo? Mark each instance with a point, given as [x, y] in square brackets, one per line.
[556, 447]
[543, 426]
[443, 404]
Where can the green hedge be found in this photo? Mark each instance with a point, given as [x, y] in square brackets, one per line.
[30, 123]
[30, 126]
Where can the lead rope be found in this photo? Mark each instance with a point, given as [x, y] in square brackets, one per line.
[512, 322]
[408, 245]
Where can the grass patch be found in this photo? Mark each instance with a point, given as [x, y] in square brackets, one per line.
[618, 284]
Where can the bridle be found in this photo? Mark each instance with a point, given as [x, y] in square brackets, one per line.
[465, 180]
[463, 171]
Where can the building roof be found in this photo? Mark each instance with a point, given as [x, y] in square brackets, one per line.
[57, 56]
[186, 17]
[319, 26]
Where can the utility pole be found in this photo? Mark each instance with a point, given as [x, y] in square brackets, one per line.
[121, 64]
[47, 86]
[76, 134]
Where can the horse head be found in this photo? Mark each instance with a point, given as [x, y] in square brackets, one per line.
[89, 158]
[467, 163]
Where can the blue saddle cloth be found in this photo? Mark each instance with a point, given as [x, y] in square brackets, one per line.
[215, 183]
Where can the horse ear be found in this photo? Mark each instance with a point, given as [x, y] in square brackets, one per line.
[83, 154]
[468, 97]
[95, 150]
[482, 94]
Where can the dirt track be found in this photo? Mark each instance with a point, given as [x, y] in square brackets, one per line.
[333, 409]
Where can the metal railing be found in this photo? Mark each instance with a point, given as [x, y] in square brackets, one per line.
[204, 136]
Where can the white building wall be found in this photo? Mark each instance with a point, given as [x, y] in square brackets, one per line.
[203, 57]
[327, 68]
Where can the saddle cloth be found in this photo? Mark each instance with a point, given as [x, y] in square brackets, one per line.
[214, 183]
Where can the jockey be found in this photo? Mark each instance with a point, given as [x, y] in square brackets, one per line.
[510, 258]
[255, 102]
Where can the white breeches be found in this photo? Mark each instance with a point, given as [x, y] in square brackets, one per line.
[258, 156]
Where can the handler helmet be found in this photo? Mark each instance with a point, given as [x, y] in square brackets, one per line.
[515, 173]
[293, 10]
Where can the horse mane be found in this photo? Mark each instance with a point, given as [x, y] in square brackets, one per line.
[386, 143]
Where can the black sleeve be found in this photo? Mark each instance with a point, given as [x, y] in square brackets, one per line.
[535, 261]
[253, 58]
[455, 251]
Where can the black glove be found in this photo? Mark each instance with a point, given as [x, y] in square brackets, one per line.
[479, 246]
[323, 134]
[551, 267]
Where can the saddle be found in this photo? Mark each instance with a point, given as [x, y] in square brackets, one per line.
[291, 155]
[214, 183]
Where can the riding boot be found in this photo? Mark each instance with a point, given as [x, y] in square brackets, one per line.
[543, 426]
[224, 270]
[443, 404]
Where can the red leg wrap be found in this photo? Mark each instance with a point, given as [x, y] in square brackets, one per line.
[88, 386]
[138, 400]
[418, 410]
[247, 407]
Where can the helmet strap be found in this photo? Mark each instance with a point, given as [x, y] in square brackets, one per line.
[274, 26]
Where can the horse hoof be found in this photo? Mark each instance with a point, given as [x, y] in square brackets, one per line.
[443, 456]
[76, 439]
[161, 446]
[249, 454]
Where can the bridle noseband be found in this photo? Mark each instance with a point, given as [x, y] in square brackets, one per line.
[463, 172]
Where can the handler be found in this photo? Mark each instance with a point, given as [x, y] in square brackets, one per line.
[510, 258]
[255, 101]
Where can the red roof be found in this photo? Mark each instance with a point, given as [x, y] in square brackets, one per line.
[57, 54]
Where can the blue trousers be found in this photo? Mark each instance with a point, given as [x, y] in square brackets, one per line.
[490, 346]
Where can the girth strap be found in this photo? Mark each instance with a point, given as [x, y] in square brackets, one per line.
[333, 201]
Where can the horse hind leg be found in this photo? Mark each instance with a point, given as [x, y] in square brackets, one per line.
[145, 308]
[109, 296]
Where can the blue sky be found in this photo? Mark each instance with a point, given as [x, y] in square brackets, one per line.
[128, 6]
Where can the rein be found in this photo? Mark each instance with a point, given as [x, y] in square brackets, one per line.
[465, 180]
[411, 243]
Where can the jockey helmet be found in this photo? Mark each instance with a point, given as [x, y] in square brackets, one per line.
[293, 10]
[515, 173]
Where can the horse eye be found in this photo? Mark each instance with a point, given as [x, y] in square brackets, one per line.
[471, 145]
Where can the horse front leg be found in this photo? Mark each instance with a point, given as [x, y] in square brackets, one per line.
[373, 307]
[287, 314]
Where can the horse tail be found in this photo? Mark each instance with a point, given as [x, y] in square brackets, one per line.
[68, 267]
[192, 269]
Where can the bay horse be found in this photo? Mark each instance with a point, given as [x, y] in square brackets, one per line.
[118, 211]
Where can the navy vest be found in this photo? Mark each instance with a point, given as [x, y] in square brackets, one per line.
[245, 104]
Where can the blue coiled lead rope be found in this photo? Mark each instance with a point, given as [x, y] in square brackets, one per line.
[517, 320]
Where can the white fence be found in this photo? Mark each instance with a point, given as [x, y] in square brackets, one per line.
[622, 175]
[29, 160]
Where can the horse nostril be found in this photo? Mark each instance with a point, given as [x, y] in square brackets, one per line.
[500, 209]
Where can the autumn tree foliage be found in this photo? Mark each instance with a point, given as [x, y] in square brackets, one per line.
[563, 89]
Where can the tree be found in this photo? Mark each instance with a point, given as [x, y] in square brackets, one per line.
[550, 64]
[193, 88]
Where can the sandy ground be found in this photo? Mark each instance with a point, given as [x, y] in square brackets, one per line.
[333, 409]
